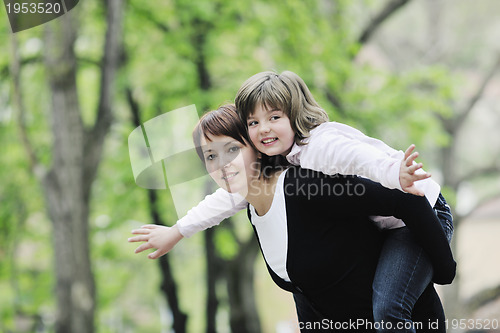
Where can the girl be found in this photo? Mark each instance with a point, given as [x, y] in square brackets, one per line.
[320, 245]
[283, 118]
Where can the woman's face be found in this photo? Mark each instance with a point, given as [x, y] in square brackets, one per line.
[231, 164]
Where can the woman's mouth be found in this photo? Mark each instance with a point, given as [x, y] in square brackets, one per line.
[229, 175]
[268, 141]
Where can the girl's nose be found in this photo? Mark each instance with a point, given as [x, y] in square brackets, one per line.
[264, 128]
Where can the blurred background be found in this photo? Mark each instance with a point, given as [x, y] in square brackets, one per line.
[72, 90]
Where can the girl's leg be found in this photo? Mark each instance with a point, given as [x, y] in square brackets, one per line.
[403, 273]
[443, 213]
[429, 312]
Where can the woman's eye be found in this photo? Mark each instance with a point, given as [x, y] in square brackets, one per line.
[234, 149]
[210, 157]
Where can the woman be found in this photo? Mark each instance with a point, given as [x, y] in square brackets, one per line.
[314, 230]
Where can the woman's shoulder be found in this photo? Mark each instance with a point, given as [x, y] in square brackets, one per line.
[299, 176]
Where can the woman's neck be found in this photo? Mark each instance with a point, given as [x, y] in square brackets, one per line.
[261, 193]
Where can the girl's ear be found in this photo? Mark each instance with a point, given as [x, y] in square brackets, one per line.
[259, 156]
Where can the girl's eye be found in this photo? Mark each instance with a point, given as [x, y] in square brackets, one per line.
[275, 117]
[252, 123]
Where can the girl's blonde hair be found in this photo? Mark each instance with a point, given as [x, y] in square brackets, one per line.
[286, 92]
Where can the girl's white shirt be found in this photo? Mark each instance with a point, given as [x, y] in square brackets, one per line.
[331, 148]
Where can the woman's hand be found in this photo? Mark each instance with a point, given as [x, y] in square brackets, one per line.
[407, 175]
[158, 237]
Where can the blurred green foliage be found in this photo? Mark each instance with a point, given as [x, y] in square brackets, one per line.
[164, 44]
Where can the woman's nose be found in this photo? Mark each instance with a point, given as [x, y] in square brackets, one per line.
[225, 161]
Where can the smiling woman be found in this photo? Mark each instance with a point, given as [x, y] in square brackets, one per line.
[230, 163]
[225, 151]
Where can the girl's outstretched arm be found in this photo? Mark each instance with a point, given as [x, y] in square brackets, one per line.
[338, 148]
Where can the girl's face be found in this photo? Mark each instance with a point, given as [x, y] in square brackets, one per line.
[270, 131]
[231, 164]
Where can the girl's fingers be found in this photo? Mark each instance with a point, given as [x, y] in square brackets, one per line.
[411, 158]
[409, 150]
[414, 167]
[414, 190]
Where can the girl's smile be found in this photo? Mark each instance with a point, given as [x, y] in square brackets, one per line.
[268, 141]
[270, 131]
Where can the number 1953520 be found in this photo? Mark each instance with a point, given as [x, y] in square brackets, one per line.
[33, 8]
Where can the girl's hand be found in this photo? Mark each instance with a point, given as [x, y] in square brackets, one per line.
[161, 238]
[407, 175]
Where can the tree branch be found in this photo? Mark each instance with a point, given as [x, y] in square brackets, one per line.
[15, 72]
[479, 93]
[5, 70]
[390, 8]
[481, 172]
[95, 137]
[451, 125]
[149, 17]
[335, 101]
[483, 298]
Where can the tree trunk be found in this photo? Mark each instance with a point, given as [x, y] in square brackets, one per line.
[75, 159]
[244, 317]
[212, 273]
[168, 284]
[63, 185]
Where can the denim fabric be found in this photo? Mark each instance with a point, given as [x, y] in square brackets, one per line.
[429, 311]
[443, 213]
[403, 273]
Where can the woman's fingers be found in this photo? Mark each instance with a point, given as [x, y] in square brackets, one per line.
[150, 226]
[141, 231]
[143, 238]
[154, 254]
[143, 247]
